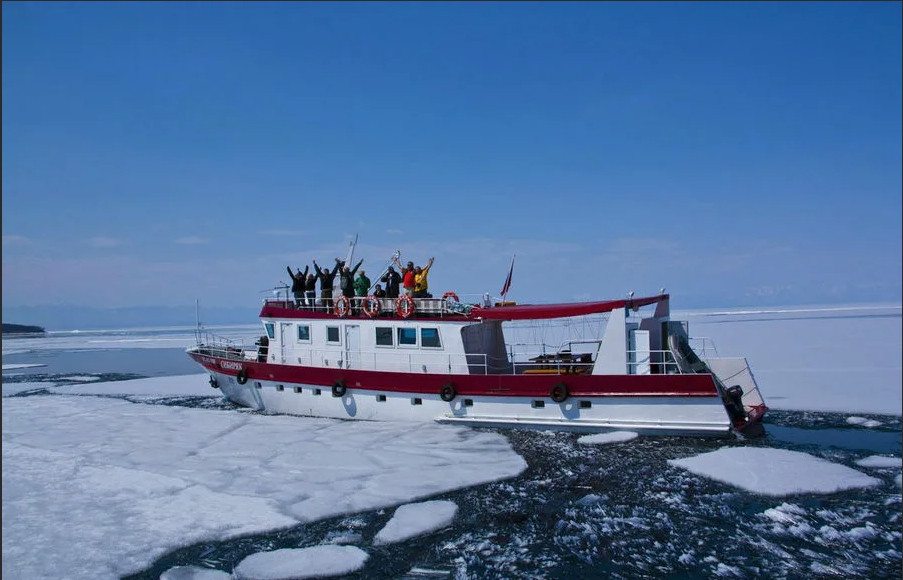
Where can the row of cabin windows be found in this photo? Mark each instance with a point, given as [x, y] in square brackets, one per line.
[429, 337]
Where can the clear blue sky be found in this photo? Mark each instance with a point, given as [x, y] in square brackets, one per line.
[735, 153]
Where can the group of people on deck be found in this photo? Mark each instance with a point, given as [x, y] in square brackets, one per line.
[411, 281]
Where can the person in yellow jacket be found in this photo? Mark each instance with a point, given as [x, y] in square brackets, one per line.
[421, 285]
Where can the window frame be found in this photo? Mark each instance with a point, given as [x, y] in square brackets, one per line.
[400, 344]
[338, 330]
[438, 338]
[298, 338]
[391, 330]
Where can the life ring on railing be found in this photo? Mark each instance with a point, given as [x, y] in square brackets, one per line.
[447, 393]
[559, 393]
[404, 306]
[371, 306]
[242, 376]
[213, 382]
[342, 306]
[449, 296]
[338, 388]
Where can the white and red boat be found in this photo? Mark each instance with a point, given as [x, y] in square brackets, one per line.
[588, 366]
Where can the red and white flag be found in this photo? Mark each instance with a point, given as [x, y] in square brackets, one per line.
[508, 279]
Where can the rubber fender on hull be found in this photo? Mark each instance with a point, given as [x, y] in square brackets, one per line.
[448, 393]
[559, 393]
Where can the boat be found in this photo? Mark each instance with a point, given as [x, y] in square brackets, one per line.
[587, 367]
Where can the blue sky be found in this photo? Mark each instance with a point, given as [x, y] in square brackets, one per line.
[735, 153]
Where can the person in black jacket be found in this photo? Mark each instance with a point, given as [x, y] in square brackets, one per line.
[298, 284]
[326, 281]
[346, 279]
[310, 291]
[392, 280]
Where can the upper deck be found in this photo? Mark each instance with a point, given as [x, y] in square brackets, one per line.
[448, 307]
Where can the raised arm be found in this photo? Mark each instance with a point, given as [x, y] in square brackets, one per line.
[306, 271]
[290, 275]
[428, 265]
[317, 268]
[358, 265]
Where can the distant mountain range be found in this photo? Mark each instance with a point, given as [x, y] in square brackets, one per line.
[86, 318]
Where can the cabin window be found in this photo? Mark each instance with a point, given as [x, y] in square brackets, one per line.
[280, 387]
[407, 337]
[332, 334]
[539, 404]
[416, 401]
[303, 333]
[381, 398]
[297, 389]
[271, 330]
[429, 338]
[384, 336]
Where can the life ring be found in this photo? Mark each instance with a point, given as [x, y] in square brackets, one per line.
[559, 393]
[404, 306]
[371, 306]
[242, 376]
[342, 306]
[447, 393]
[213, 382]
[338, 388]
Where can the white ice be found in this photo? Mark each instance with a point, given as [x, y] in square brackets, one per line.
[102, 487]
[816, 359]
[11, 367]
[604, 438]
[774, 472]
[297, 564]
[881, 462]
[415, 519]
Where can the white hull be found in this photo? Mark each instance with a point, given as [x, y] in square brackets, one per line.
[695, 416]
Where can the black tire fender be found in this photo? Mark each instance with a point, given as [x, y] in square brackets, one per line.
[213, 382]
[559, 393]
[338, 388]
[448, 393]
[242, 376]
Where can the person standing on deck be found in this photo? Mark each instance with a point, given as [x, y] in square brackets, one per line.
[393, 281]
[361, 284]
[407, 276]
[346, 280]
[298, 284]
[310, 290]
[421, 285]
[326, 281]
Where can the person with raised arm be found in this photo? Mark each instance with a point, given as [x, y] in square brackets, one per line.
[421, 285]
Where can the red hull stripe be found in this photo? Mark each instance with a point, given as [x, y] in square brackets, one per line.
[472, 385]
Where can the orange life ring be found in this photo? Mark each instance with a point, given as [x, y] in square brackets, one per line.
[371, 306]
[342, 306]
[448, 295]
[404, 306]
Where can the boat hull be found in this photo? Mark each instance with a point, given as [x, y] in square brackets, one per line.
[662, 404]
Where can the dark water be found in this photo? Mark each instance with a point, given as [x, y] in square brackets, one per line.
[617, 511]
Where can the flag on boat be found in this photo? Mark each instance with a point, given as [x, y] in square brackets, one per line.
[508, 279]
